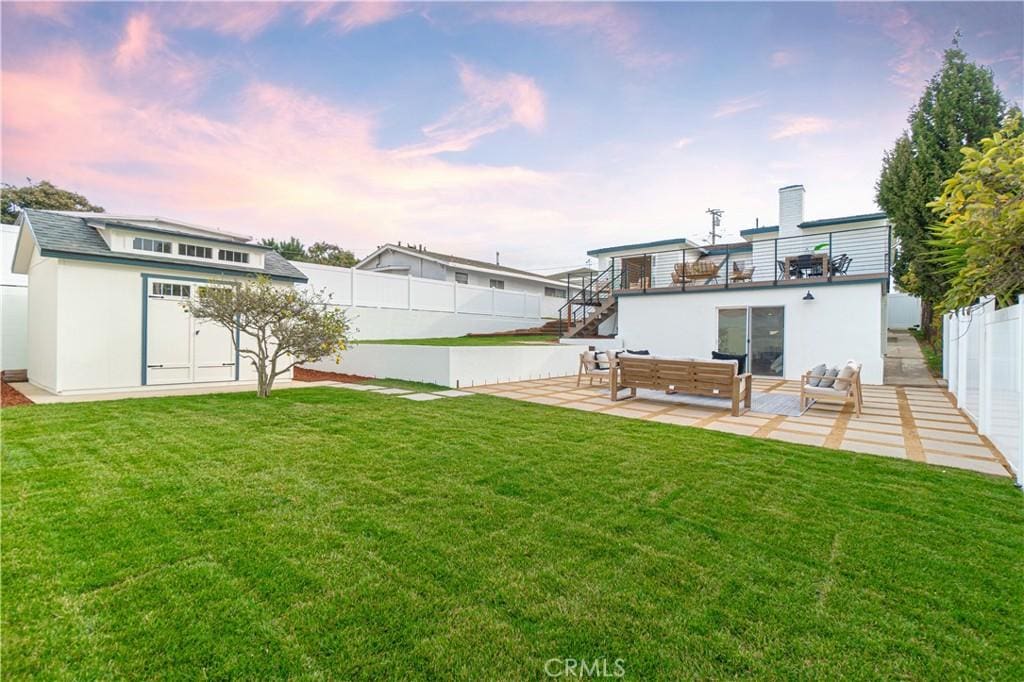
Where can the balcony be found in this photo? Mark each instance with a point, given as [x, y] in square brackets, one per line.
[825, 257]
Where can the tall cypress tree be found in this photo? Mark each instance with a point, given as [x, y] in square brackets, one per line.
[960, 106]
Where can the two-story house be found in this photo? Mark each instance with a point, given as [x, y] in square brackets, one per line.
[788, 296]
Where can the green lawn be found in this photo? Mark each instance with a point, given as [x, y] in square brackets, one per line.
[326, 533]
[469, 340]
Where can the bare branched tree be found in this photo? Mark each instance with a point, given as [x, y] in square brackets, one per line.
[279, 326]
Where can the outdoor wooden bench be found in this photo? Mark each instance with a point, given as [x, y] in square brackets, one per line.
[711, 378]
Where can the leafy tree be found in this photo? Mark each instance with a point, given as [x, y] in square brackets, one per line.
[293, 249]
[43, 194]
[960, 106]
[980, 240]
[281, 326]
[324, 253]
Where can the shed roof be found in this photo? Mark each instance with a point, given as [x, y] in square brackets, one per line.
[64, 236]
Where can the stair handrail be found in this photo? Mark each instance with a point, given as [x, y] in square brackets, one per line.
[590, 295]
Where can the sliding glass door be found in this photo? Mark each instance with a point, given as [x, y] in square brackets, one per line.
[757, 333]
[732, 331]
[766, 333]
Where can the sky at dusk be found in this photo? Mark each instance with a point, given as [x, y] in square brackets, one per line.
[540, 130]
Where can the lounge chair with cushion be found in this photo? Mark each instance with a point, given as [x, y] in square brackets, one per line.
[842, 386]
[596, 364]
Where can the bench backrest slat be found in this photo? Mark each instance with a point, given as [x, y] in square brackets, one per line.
[697, 377]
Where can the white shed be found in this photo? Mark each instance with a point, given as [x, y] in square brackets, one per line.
[105, 296]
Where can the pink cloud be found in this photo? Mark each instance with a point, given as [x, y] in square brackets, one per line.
[795, 126]
[916, 60]
[58, 12]
[493, 103]
[140, 38]
[279, 158]
[362, 14]
[617, 29]
[739, 105]
[243, 20]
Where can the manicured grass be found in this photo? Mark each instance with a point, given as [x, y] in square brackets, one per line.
[420, 386]
[469, 340]
[326, 533]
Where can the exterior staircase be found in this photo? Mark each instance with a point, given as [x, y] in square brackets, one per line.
[584, 312]
[589, 325]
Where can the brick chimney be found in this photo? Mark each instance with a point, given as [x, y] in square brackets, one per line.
[791, 210]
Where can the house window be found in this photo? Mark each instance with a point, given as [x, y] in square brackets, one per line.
[167, 289]
[140, 244]
[462, 277]
[497, 284]
[554, 292]
[233, 256]
[195, 251]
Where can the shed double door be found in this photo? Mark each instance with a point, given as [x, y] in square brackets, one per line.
[179, 348]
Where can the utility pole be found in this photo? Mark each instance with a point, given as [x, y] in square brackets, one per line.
[716, 221]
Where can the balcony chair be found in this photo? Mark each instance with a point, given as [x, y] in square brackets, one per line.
[840, 265]
[740, 273]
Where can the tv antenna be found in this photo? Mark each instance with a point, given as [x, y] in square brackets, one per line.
[716, 221]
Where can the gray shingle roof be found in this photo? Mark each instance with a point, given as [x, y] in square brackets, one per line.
[470, 262]
[59, 234]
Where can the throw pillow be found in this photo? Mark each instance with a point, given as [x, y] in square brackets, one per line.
[843, 379]
[831, 372]
[817, 369]
[741, 360]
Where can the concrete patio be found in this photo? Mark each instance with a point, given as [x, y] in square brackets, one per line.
[916, 423]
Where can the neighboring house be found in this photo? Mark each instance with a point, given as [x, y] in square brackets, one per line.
[106, 294]
[578, 277]
[14, 303]
[418, 262]
[787, 297]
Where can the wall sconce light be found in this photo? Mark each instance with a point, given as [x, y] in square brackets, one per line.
[808, 296]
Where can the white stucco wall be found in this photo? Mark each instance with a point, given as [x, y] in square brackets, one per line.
[844, 321]
[455, 366]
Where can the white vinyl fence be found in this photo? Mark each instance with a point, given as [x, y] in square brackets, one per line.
[983, 361]
[903, 311]
[402, 306]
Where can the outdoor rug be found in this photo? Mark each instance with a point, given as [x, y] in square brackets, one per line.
[765, 403]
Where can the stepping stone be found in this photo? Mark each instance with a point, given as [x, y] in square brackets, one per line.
[392, 391]
[353, 387]
[453, 393]
[421, 396]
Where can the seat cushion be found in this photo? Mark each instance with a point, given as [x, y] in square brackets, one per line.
[829, 392]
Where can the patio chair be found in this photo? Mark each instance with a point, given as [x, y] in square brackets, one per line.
[589, 367]
[840, 265]
[740, 273]
[843, 387]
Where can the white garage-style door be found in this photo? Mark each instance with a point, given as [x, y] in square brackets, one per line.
[179, 348]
